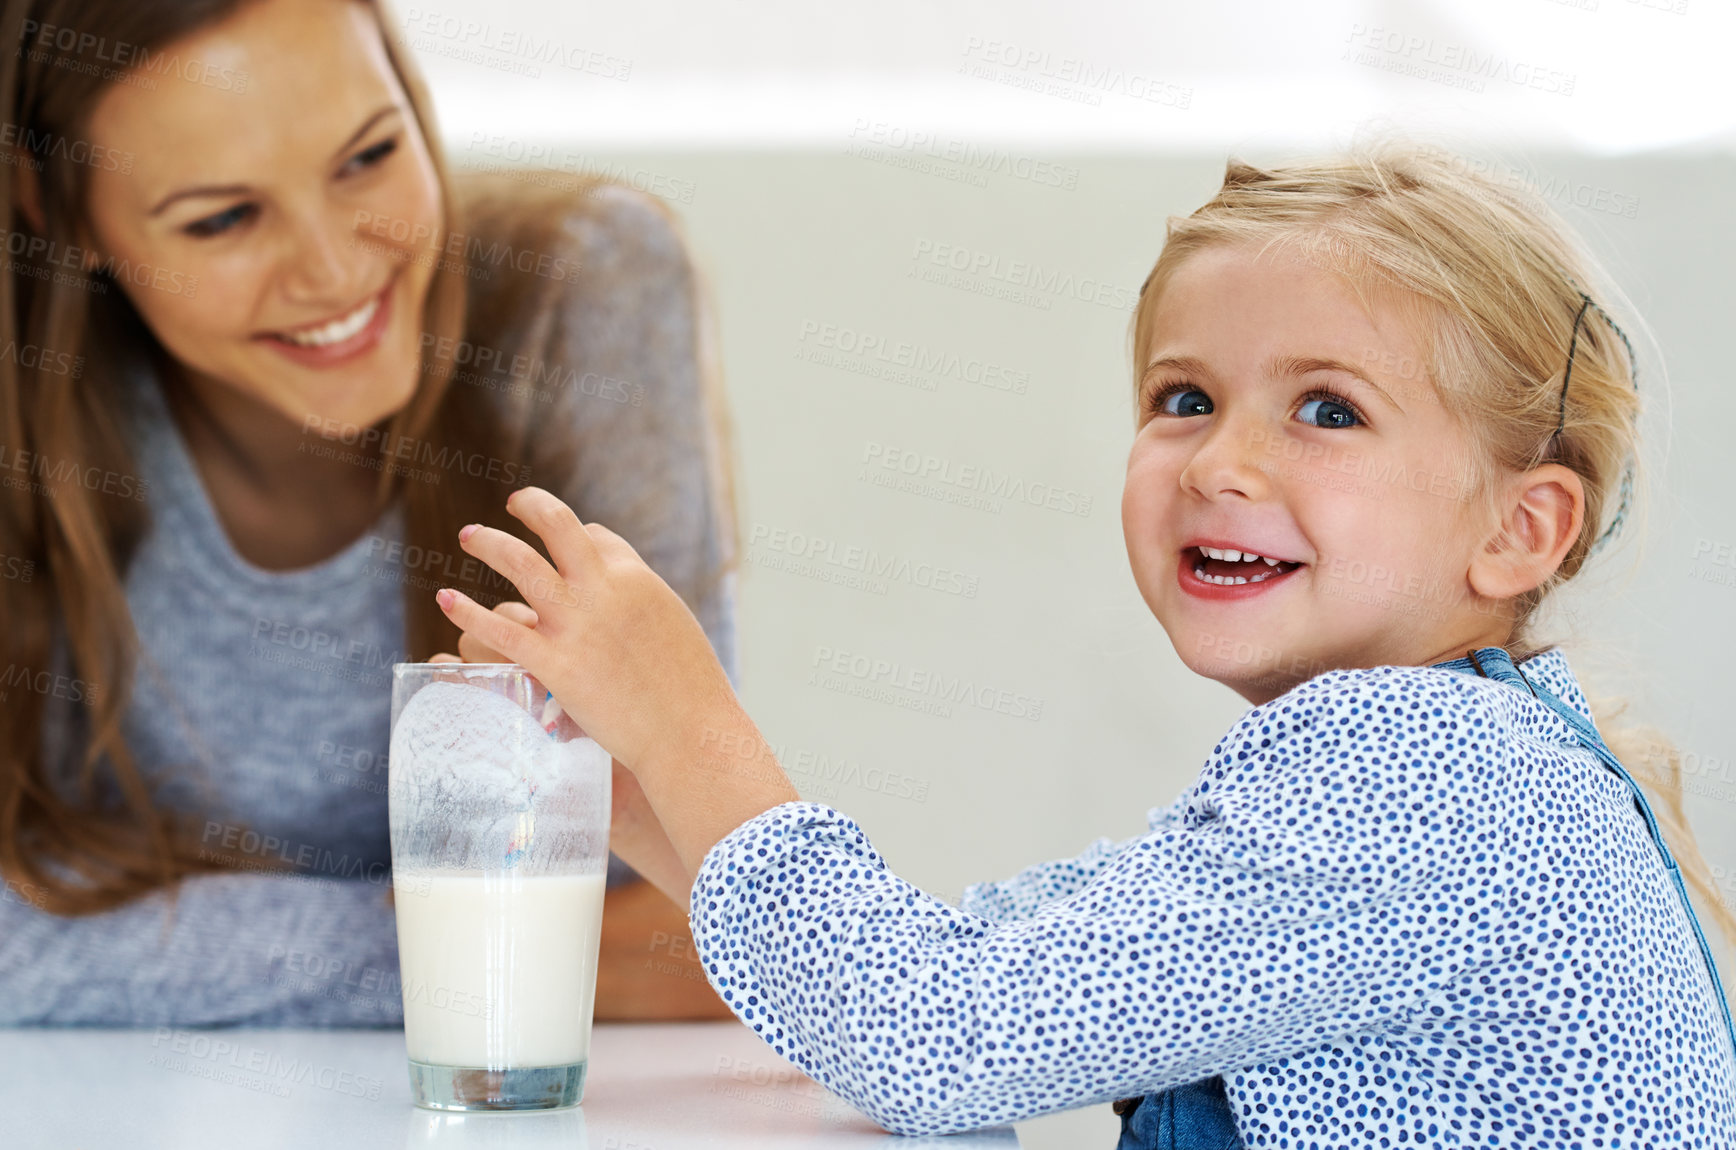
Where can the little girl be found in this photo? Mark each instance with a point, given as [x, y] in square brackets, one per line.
[1412, 897]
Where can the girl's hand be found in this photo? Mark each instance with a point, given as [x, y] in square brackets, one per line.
[630, 664]
[615, 644]
[470, 650]
[634, 832]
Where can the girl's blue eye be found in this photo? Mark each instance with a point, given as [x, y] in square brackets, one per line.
[1328, 413]
[1185, 401]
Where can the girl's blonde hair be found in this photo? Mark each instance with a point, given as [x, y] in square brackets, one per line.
[1497, 283]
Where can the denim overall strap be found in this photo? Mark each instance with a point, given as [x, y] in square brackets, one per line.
[1495, 663]
[1193, 1116]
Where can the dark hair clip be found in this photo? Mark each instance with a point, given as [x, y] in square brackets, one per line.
[1627, 478]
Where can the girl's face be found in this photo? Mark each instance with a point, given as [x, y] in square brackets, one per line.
[268, 230]
[1280, 418]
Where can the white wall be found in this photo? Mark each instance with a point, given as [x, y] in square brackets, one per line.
[812, 232]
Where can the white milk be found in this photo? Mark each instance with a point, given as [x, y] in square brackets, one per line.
[500, 970]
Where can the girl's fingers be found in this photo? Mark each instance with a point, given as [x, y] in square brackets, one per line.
[558, 526]
[517, 612]
[516, 642]
[609, 544]
[475, 651]
[519, 562]
[443, 657]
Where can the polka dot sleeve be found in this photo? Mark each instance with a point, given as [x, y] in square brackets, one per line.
[1342, 856]
[1035, 887]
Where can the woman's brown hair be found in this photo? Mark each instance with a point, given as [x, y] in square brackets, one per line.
[73, 541]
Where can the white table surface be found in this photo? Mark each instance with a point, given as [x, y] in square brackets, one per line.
[653, 1086]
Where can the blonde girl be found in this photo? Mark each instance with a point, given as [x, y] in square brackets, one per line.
[1412, 897]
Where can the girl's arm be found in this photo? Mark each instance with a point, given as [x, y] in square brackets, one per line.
[1037, 886]
[1315, 887]
[1328, 885]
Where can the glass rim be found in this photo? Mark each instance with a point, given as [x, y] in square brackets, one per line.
[402, 668]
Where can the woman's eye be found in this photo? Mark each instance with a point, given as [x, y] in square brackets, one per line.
[221, 222]
[1328, 412]
[1182, 400]
[370, 157]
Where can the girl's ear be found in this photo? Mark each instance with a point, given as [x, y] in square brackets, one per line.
[1544, 510]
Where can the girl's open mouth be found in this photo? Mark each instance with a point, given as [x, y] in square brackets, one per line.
[1226, 573]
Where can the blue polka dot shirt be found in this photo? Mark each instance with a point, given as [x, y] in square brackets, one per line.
[1399, 906]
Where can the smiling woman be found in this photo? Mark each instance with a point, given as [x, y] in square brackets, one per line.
[283, 360]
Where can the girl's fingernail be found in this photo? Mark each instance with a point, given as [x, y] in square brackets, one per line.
[446, 597]
[467, 532]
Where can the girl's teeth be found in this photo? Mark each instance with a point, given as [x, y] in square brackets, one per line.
[1233, 556]
[336, 331]
[1230, 580]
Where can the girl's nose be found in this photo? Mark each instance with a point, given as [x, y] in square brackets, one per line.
[1231, 462]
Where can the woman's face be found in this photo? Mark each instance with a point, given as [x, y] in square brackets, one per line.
[270, 211]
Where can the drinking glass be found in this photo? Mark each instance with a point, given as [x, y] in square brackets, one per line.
[499, 810]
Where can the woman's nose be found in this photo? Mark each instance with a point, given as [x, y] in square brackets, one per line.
[325, 264]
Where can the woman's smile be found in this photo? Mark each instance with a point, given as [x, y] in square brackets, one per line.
[336, 341]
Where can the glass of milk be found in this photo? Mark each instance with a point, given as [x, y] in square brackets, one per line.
[500, 841]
